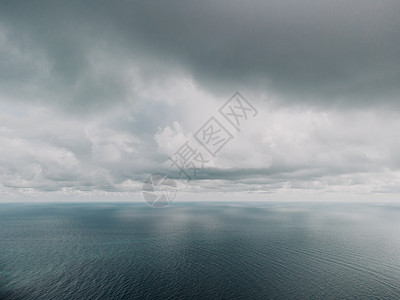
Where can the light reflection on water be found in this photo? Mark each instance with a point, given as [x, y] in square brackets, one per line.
[208, 250]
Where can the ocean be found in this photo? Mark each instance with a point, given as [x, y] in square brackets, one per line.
[272, 250]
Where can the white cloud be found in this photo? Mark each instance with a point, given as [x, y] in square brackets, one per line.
[97, 113]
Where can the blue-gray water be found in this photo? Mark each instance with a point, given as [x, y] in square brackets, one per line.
[203, 251]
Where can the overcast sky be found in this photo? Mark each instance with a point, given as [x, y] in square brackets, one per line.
[96, 95]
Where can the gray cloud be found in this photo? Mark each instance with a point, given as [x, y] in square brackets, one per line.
[95, 95]
[308, 52]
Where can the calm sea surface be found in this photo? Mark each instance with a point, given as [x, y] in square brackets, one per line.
[199, 251]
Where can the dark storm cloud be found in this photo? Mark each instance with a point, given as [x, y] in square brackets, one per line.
[302, 50]
[305, 50]
[313, 52]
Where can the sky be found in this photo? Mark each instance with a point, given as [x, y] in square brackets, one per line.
[97, 95]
